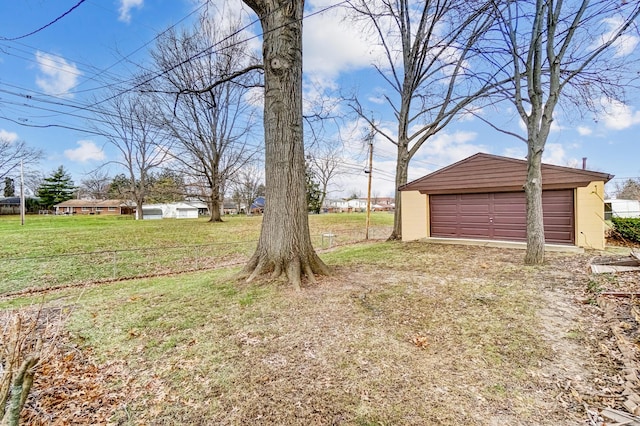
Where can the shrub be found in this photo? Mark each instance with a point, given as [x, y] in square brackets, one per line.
[627, 228]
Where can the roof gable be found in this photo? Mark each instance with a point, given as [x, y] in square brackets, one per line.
[89, 203]
[492, 173]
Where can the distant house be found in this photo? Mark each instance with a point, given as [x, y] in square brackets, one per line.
[10, 205]
[257, 207]
[343, 205]
[91, 207]
[203, 208]
[336, 206]
[151, 212]
[383, 204]
[230, 207]
[169, 211]
[621, 208]
[357, 205]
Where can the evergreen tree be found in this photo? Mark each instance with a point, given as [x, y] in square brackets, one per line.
[56, 188]
[120, 188]
[9, 187]
[166, 186]
[314, 194]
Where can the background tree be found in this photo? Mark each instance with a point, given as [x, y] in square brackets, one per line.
[95, 185]
[554, 49]
[12, 152]
[120, 188]
[629, 190]
[314, 193]
[325, 162]
[9, 187]
[130, 125]
[211, 122]
[247, 186]
[33, 180]
[429, 52]
[166, 186]
[285, 245]
[56, 188]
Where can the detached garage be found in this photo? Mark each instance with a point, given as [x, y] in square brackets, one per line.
[481, 197]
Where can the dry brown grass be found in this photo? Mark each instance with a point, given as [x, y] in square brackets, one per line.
[402, 334]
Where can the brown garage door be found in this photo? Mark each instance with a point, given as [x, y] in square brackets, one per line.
[500, 216]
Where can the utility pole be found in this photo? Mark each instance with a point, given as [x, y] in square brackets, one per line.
[21, 194]
[370, 140]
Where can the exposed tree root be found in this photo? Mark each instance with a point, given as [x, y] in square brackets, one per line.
[394, 236]
[294, 268]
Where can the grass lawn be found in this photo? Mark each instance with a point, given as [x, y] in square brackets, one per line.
[58, 251]
[401, 334]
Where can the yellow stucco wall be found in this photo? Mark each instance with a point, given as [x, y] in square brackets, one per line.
[415, 215]
[590, 225]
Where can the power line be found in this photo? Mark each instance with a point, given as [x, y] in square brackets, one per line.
[46, 25]
[95, 72]
[88, 107]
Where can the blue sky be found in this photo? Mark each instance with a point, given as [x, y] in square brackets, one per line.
[103, 42]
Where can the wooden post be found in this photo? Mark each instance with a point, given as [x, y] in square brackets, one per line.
[370, 137]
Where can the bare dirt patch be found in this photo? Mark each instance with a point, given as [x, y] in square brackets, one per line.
[407, 334]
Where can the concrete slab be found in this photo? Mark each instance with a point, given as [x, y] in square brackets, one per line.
[502, 244]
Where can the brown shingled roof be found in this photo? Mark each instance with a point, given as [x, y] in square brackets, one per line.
[493, 173]
[91, 203]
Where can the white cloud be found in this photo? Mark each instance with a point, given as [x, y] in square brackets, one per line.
[470, 113]
[58, 75]
[623, 45]
[8, 136]
[584, 130]
[447, 148]
[555, 126]
[86, 151]
[331, 44]
[519, 152]
[618, 116]
[226, 17]
[125, 9]
[554, 154]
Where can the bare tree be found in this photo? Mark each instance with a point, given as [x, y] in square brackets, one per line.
[429, 52]
[33, 180]
[285, 245]
[95, 185]
[629, 189]
[246, 187]
[212, 125]
[553, 50]
[12, 153]
[129, 121]
[326, 163]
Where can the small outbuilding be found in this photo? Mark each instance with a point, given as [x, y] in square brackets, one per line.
[621, 208]
[169, 211]
[482, 197]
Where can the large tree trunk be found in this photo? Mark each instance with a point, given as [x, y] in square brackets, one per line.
[402, 175]
[214, 204]
[139, 211]
[284, 246]
[535, 223]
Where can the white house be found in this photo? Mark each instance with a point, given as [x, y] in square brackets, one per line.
[169, 211]
[621, 208]
[358, 204]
